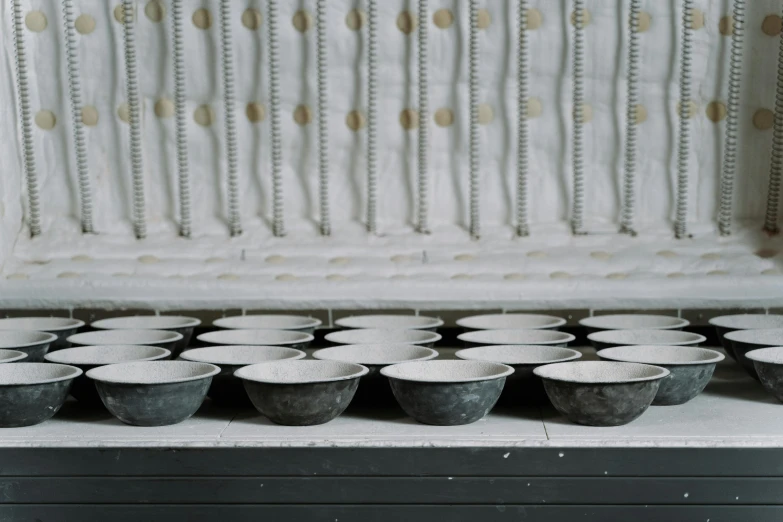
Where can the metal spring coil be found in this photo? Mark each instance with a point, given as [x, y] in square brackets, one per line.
[422, 223]
[522, 136]
[776, 162]
[473, 51]
[322, 65]
[278, 224]
[629, 178]
[577, 211]
[25, 118]
[75, 90]
[132, 87]
[180, 97]
[229, 106]
[372, 116]
[684, 141]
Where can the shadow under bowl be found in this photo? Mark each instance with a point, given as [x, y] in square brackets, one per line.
[390, 322]
[768, 363]
[258, 337]
[598, 323]
[298, 323]
[612, 338]
[512, 321]
[62, 327]
[384, 336]
[731, 323]
[601, 393]
[34, 344]
[31, 393]
[506, 337]
[10, 356]
[153, 393]
[744, 341]
[172, 323]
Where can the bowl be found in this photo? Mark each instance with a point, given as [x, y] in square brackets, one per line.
[301, 393]
[384, 336]
[447, 393]
[521, 386]
[288, 338]
[611, 338]
[88, 357]
[690, 369]
[743, 341]
[172, 323]
[34, 344]
[601, 393]
[298, 323]
[9, 356]
[33, 392]
[160, 338]
[60, 326]
[768, 363]
[153, 393]
[515, 337]
[511, 322]
[226, 388]
[633, 322]
[731, 323]
[390, 322]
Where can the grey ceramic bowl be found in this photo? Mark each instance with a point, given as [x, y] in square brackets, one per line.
[287, 338]
[226, 388]
[384, 336]
[601, 393]
[515, 337]
[391, 322]
[521, 386]
[9, 356]
[153, 393]
[611, 338]
[447, 393]
[769, 367]
[172, 323]
[690, 369]
[298, 323]
[731, 323]
[34, 344]
[62, 327]
[301, 393]
[743, 341]
[160, 338]
[31, 393]
[515, 321]
[633, 322]
[88, 357]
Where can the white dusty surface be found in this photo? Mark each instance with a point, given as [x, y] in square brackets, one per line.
[734, 411]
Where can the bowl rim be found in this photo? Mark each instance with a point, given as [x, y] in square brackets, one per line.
[555, 321]
[695, 338]
[732, 336]
[350, 321]
[192, 355]
[715, 356]
[595, 320]
[546, 372]
[74, 323]
[225, 322]
[18, 357]
[469, 337]
[53, 356]
[48, 339]
[465, 354]
[304, 337]
[324, 353]
[95, 373]
[503, 370]
[173, 337]
[358, 371]
[75, 372]
[720, 321]
[430, 337]
[758, 354]
[108, 323]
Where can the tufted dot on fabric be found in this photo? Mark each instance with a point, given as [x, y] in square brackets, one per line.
[534, 19]
[726, 25]
[84, 24]
[716, 111]
[407, 22]
[444, 117]
[204, 115]
[693, 109]
[155, 10]
[697, 19]
[355, 19]
[164, 108]
[484, 19]
[409, 119]
[302, 20]
[645, 20]
[123, 112]
[252, 19]
[202, 18]
[355, 120]
[119, 13]
[443, 18]
[763, 119]
[587, 113]
[303, 115]
[36, 21]
[771, 26]
[255, 112]
[45, 119]
[586, 17]
[534, 108]
[641, 114]
[485, 114]
[276, 259]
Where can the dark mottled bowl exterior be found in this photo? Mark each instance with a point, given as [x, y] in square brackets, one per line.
[183, 344]
[771, 377]
[725, 343]
[740, 349]
[684, 382]
[29, 404]
[62, 338]
[301, 404]
[36, 352]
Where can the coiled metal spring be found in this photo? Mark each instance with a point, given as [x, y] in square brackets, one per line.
[372, 116]
[629, 178]
[475, 144]
[229, 106]
[180, 97]
[684, 140]
[422, 223]
[322, 64]
[278, 223]
[776, 162]
[522, 137]
[577, 211]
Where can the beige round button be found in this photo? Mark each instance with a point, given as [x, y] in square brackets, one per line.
[155, 10]
[697, 19]
[763, 119]
[302, 21]
[303, 115]
[692, 109]
[771, 26]
[202, 18]
[255, 112]
[119, 13]
[443, 18]
[534, 108]
[36, 21]
[275, 259]
[355, 120]
[534, 19]
[286, 277]
[644, 22]
[484, 19]
[148, 259]
[252, 19]
[406, 22]
[164, 108]
[444, 117]
[45, 119]
[84, 24]
[204, 115]
[123, 112]
[587, 113]
[586, 18]
[409, 119]
[726, 25]
[355, 19]
[485, 114]
[716, 111]
[641, 114]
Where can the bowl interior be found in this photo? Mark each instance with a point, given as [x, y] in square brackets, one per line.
[516, 354]
[238, 355]
[511, 321]
[382, 336]
[7, 356]
[600, 372]
[301, 372]
[748, 321]
[35, 373]
[647, 337]
[771, 355]
[657, 354]
[517, 337]
[267, 322]
[447, 371]
[153, 372]
[143, 337]
[147, 322]
[376, 354]
[762, 337]
[255, 337]
[22, 338]
[633, 322]
[109, 354]
[42, 324]
[389, 321]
